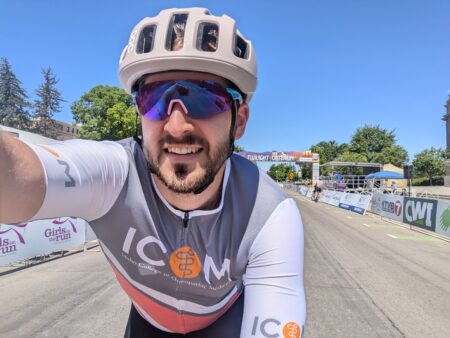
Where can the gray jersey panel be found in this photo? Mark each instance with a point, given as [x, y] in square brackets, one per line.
[202, 262]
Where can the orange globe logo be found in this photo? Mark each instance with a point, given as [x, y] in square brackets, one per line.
[185, 263]
[292, 330]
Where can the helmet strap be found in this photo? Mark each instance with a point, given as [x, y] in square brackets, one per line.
[234, 109]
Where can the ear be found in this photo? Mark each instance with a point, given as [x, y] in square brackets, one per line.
[242, 117]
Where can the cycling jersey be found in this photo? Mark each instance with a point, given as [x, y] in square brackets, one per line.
[183, 269]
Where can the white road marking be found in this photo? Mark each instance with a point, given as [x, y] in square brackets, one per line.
[367, 225]
[392, 236]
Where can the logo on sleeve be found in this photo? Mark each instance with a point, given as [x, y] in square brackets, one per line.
[272, 327]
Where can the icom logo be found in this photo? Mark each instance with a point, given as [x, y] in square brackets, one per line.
[420, 212]
[273, 328]
[184, 262]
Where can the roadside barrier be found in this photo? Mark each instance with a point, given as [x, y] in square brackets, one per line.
[23, 242]
[426, 213]
[354, 202]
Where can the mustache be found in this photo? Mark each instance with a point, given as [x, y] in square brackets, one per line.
[185, 140]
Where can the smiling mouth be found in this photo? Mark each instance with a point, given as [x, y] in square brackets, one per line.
[183, 150]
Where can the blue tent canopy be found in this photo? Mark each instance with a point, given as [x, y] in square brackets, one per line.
[385, 174]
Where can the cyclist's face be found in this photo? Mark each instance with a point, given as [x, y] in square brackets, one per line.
[186, 153]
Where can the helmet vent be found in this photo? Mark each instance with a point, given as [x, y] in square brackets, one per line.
[241, 48]
[146, 39]
[207, 37]
[175, 33]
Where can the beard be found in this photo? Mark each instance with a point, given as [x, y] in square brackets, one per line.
[179, 179]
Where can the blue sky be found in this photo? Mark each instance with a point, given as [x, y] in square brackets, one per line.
[326, 67]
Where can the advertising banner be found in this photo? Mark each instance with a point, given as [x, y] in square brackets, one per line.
[443, 218]
[27, 240]
[281, 156]
[336, 198]
[375, 205]
[363, 202]
[392, 206]
[327, 196]
[355, 202]
[420, 212]
[303, 190]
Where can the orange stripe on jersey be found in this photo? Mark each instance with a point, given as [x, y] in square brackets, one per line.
[166, 317]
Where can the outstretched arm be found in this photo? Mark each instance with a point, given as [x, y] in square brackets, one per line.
[274, 303]
[22, 180]
[78, 178]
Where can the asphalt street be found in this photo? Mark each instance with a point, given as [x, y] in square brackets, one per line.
[364, 277]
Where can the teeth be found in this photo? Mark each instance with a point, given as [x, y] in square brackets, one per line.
[183, 151]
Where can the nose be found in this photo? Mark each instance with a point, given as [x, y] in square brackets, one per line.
[178, 123]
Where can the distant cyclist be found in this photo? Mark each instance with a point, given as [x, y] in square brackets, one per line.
[202, 242]
[317, 190]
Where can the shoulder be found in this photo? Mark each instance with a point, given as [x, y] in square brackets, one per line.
[248, 171]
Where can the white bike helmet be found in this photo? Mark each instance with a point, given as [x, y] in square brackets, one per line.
[152, 48]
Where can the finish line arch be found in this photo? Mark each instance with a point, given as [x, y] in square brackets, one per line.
[297, 157]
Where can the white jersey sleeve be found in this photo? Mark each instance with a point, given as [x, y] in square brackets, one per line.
[83, 178]
[274, 304]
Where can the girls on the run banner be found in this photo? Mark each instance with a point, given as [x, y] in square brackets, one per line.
[36, 238]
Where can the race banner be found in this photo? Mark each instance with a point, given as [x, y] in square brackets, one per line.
[375, 204]
[303, 190]
[281, 156]
[443, 218]
[420, 212]
[36, 238]
[363, 202]
[336, 198]
[392, 206]
[327, 196]
[355, 202]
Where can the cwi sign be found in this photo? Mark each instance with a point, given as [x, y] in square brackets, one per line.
[420, 212]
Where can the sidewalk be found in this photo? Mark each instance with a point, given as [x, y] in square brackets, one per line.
[436, 190]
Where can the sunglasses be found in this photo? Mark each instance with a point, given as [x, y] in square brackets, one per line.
[200, 98]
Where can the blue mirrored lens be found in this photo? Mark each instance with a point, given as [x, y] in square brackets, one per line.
[202, 99]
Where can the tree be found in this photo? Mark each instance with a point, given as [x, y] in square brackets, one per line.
[238, 149]
[46, 105]
[328, 151]
[351, 157]
[429, 163]
[371, 140]
[13, 99]
[105, 112]
[279, 172]
[395, 154]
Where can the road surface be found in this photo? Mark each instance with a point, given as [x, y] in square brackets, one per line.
[364, 277]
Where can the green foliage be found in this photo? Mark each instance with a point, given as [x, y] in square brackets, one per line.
[349, 156]
[307, 171]
[105, 112]
[429, 163]
[395, 154]
[13, 99]
[48, 103]
[445, 219]
[371, 140]
[328, 151]
[279, 172]
[238, 149]
[425, 181]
